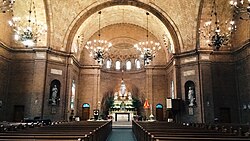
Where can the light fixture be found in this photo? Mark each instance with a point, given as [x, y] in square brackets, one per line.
[240, 7]
[147, 49]
[7, 6]
[98, 48]
[216, 33]
[28, 31]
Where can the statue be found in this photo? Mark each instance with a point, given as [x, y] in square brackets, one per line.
[54, 91]
[123, 89]
[130, 96]
[116, 96]
[191, 96]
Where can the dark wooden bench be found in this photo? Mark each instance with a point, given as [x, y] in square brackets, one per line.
[154, 131]
[87, 131]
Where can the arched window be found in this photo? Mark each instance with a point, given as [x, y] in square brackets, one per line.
[85, 105]
[73, 94]
[138, 64]
[159, 106]
[172, 90]
[117, 65]
[108, 64]
[128, 65]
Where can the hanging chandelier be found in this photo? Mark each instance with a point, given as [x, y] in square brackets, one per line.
[98, 48]
[7, 6]
[28, 31]
[241, 8]
[148, 48]
[216, 33]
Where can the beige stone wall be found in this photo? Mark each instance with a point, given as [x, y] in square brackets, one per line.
[127, 34]
[242, 34]
[88, 90]
[20, 87]
[6, 32]
[55, 71]
[160, 90]
[188, 69]
[224, 88]
[242, 66]
[30, 78]
[4, 83]
[111, 81]
[73, 75]
[177, 11]
[21, 9]
[26, 73]
[183, 14]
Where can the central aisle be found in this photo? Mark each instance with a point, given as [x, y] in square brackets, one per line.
[121, 131]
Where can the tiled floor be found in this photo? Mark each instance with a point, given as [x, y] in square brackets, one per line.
[121, 131]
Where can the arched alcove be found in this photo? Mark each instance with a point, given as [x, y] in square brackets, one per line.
[158, 16]
[54, 97]
[189, 85]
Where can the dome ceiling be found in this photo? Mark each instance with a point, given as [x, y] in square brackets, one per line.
[124, 26]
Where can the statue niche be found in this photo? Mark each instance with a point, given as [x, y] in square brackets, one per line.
[190, 93]
[54, 97]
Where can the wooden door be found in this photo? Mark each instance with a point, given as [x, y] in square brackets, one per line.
[18, 113]
[159, 112]
[225, 115]
[85, 113]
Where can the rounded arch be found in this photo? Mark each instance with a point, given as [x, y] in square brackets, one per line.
[85, 105]
[108, 63]
[156, 11]
[159, 106]
[137, 64]
[128, 64]
[118, 64]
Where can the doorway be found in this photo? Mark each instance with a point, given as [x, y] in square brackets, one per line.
[85, 111]
[225, 115]
[18, 113]
[159, 112]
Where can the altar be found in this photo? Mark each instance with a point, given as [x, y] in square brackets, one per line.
[122, 108]
[122, 116]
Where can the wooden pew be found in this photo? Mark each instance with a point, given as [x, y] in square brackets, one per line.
[153, 131]
[82, 131]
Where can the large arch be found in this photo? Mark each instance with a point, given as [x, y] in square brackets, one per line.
[157, 12]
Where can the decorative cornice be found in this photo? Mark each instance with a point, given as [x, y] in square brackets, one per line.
[90, 66]
[155, 67]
